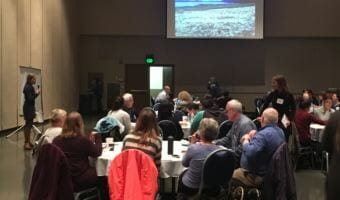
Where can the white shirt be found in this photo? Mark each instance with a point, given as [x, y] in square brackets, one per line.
[162, 96]
[123, 117]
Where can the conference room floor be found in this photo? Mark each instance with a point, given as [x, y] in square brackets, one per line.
[16, 168]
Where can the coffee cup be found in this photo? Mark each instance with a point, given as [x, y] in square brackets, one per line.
[109, 141]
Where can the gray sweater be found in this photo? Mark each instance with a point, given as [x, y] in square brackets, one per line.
[239, 128]
[193, 159]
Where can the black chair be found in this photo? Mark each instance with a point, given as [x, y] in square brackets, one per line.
[168, 129]
[114, 133]
[156, 106]
[217, 171]
[257, 123]
[300, 152]
[258, 105]
[224, 128]
[178, 115]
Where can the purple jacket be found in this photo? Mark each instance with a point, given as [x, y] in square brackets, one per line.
[51, 178]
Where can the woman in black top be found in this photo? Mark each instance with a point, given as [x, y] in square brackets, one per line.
[282, 100]
[29, 109]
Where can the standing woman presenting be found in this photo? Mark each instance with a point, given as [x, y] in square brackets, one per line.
[29, 108]
[283, 101]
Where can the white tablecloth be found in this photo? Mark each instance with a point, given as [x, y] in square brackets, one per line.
[316, 132]
[171, 166]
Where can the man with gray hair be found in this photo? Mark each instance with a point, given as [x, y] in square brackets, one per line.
[128, 106]
[241, 126]
[258, 149]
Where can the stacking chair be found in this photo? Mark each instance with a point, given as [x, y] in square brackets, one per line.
[51, 176]
[217, 171]
[301, 152]
[325, 159]
[88, 194]
[168, 129]
[132, 175]
[224, 128]
[178, 115]
[156, 106]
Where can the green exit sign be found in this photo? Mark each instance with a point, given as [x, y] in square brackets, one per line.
[149, 59]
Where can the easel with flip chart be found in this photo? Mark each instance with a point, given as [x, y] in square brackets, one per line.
[23, 73]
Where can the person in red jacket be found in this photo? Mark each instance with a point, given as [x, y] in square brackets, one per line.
[302, 121]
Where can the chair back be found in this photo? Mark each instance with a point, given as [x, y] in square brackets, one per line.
[132, 175]
[224, 128]
[178, 115]
[156, 106]
[168, 129]
[51, 176]
[279, 182]
[218, 169]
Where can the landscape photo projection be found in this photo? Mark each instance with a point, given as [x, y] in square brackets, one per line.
[215, 19]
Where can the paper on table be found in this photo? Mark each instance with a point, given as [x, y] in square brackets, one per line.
[285, 121]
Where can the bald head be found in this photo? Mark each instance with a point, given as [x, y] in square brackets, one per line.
[128, 100]
[269, 116]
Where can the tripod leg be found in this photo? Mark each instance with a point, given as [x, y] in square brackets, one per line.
[14, 132]
[36, 129]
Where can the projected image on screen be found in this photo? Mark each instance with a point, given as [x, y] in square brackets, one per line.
[214, 18]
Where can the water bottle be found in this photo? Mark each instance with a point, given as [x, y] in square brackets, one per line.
[170, 145]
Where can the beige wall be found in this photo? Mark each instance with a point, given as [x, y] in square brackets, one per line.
[41, 34]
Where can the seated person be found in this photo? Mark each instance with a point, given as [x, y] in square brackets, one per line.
[164, 95]
[302, 121]
[307, 95]
[128, 106]
[77, 149]
[58, 117]
[196, 154]
[324, 112]
[241, 126]
[182, 100]
[335, 101]
[165, 113]
[119, 114]
[258, 149]
[210, 110]
[146, 136]
[192, 110]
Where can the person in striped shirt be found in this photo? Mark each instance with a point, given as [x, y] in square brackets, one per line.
[146, 136]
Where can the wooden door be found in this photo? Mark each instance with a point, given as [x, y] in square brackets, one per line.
[137, 83]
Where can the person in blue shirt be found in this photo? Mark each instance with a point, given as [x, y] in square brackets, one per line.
[258, 149]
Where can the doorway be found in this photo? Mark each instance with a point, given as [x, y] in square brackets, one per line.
[144, 82]
[160, 76]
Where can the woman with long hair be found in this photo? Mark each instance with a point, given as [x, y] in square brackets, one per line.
[282, 100]
[77, 149]
[331, 144]
[146, 136]
[29, 108]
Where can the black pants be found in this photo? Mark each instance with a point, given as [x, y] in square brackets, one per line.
[27, 129]
[186, 191]
[28, 123]
[183, 191]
